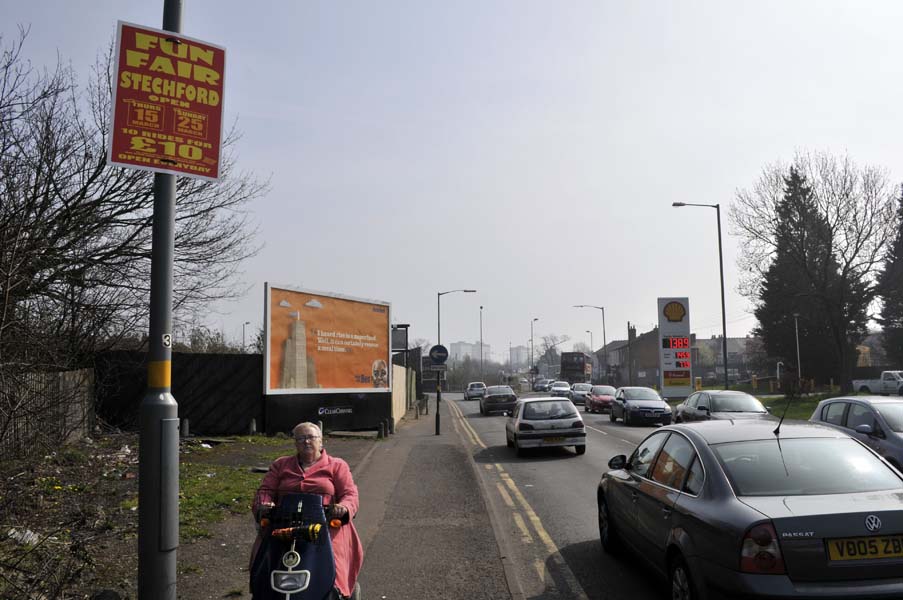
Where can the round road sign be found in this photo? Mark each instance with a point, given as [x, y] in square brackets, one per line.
[438, 354]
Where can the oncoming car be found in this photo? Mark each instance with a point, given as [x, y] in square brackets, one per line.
[734, 509]
[579, 392]
[600, 398]
[560, 388]
[543, 423]
[639, 405]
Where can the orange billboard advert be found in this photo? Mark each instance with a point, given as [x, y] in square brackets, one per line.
[319, 342]
[167, 103]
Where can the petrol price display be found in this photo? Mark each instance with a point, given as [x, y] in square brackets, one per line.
[672, 343]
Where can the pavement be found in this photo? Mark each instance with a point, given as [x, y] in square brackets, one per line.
[424, 520]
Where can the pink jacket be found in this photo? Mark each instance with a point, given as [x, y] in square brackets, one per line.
[331, 478]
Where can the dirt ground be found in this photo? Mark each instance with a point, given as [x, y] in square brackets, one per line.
[68, 523]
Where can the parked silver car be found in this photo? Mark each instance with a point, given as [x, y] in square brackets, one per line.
[732, 509]
[875, 421]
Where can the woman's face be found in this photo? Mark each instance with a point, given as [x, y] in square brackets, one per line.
[309, 443]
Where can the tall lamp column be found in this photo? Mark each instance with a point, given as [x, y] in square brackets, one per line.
[604, 341]
[439, 342]
[532, 376]
[717, 208]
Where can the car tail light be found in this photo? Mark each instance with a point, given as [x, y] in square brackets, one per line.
[760, 551]
[525, 427]
[577, 425]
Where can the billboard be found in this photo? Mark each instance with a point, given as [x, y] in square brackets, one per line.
[319, 342]
[674, 347]
[167, 103]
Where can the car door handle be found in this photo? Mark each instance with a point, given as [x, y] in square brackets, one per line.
[666, 512]
[634, 496]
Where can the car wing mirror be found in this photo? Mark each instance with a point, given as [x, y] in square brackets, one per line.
[865, 428]
[618, 462]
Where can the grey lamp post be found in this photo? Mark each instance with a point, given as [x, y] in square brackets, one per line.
[717, 208]
[244, 346]
[532, 376]
[481, 342]
[439, 342]
[799, 368]
[591, 346]
[604, 341]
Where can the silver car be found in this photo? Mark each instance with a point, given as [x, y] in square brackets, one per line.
[543, 423]
[735, 509]
[475, 390]
[560, 388]
[579, 392]
[875, 421]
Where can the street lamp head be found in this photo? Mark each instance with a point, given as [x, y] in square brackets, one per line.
[469, 291]
[535, 318]
[678, 204]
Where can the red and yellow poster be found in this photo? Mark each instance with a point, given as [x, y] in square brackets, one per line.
[319, 342]
[167, 103]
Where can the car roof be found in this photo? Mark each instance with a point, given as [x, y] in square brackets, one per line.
[743, 430]
[865, 399]
[541, 398]
[477, 383]
[635, 387]
[726, 392]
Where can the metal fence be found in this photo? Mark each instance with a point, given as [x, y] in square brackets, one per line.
[39, 410]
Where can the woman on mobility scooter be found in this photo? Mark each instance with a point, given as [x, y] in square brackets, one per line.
[304, 478]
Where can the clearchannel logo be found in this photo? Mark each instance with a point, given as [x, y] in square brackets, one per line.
[335, 410]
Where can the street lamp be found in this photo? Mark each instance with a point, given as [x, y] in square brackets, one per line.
[717, 208]
[481, 342]
[799, 368]
[591, 345]
[532, 376]
[439, 342]
[604, 341]
[243, 345]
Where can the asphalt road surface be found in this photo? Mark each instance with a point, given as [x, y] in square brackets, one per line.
[545, 507]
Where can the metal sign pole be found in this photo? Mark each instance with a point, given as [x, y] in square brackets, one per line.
[158, 482]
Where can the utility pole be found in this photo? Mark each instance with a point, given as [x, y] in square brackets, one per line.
[158, 445]
[481, 342]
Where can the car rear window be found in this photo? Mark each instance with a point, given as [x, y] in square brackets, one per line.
[893, 414]
[803, 467]
[499, 390]
[641, 394]
[735, 403]
[549, 409]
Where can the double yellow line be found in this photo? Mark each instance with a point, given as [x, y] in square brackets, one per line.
[507, 485]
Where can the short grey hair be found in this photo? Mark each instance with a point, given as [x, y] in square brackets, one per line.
[308, 425]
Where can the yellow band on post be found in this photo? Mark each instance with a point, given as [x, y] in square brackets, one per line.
[159, 374]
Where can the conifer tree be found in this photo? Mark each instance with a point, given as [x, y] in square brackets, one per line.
[891, 290]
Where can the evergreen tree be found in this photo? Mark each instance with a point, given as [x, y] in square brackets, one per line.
[798, 281]
[891, 292]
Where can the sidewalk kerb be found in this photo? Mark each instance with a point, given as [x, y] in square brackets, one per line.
[495, 518]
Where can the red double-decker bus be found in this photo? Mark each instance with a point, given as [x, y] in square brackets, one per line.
[576, 367]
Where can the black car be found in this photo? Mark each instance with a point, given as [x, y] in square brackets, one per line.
[498, 398]
[720, 404]
[732, 509]
[636, 405]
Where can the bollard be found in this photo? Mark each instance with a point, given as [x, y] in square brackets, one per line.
[252, 428]
[382, 431]
[183, 428]
[391, 426]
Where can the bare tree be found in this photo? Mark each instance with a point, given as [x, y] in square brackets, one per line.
[75, 234]
[855, 206]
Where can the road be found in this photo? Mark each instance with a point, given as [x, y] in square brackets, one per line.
[544, 508]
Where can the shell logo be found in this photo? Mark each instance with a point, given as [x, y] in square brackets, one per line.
[674, 312]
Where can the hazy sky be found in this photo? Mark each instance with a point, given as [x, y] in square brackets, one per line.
[530, 150]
